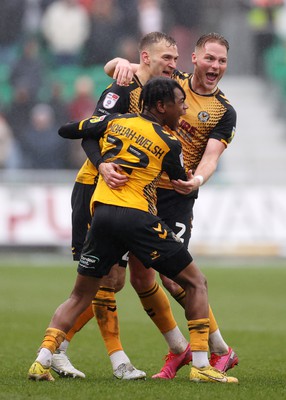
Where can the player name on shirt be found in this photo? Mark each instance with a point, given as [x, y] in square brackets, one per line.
[138, 139]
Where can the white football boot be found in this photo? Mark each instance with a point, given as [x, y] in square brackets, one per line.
[128, 372]
[62, 366]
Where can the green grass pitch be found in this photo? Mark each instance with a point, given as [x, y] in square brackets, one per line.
[248, 300]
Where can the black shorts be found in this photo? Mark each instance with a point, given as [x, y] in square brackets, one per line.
[81, 217]
[115, 230]
[176, 211]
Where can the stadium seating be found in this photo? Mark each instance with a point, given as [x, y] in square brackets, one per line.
[5, 88]
[66, 75]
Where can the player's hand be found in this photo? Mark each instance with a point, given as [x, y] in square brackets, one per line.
[186, 187]
[123, 73]
[112, 175]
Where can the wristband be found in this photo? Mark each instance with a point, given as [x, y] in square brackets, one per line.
[200, 178]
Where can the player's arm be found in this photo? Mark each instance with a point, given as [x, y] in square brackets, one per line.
[114, 99]
[121, 70]
[92, 149]
[205, 169]
[90, 135]
[90, 127]
[173, 164]
[220, 137]
[111, 172]
[70, 131]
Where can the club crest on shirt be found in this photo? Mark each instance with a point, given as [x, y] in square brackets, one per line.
[110, 100]
[203, 116]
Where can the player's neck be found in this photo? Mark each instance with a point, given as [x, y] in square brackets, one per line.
[143, 75]
[199, 88]
[153, 116]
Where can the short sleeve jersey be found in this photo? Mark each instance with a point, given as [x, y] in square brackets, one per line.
[143, 149]
[208, 116]
[114, 99]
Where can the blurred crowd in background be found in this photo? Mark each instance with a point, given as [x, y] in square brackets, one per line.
[45, 42]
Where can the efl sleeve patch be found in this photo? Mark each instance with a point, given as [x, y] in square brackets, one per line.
[110, 100]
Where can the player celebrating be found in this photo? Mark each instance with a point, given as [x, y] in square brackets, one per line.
[175, 209]
[158, 57]
[146, 235]
[204, 132]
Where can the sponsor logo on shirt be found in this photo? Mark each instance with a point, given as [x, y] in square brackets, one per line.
[110, 100]
[97, 119]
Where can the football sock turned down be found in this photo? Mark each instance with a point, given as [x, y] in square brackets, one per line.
[199, 335]
[105, 311]
[52, 339]
[180, 297]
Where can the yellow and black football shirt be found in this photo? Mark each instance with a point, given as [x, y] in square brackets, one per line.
[208, 116]
[115, 99]
[141, 147]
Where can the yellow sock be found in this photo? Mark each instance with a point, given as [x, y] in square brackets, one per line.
[82, 320]
[199, 334]
[213, 323]
[157, 306]
[105, 311]
[53, 339]
[180, 297]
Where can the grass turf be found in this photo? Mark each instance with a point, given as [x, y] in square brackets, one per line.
[249, 304]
